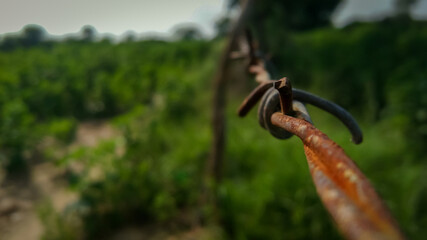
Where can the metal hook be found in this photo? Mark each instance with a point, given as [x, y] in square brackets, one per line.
[299, 95]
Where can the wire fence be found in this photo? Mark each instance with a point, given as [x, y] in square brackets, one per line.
[346, 193]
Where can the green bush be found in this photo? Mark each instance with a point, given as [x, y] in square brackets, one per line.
[157, 95]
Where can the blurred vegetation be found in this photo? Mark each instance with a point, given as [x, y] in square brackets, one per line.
[156, 94]
[290, 15]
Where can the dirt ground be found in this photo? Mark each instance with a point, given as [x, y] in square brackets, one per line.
[20, 196]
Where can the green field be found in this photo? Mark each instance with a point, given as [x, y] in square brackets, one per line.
[157, 96]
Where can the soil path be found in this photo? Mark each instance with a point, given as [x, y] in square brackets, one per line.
[20, 197]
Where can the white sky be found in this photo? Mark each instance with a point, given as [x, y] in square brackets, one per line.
[119, 16]
[368, 10]
[108, 16]
[362, 9]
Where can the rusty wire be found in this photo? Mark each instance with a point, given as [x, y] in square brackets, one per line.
[346, 193]
[302, 96]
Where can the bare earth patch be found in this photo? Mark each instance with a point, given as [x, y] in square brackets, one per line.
[19, 197]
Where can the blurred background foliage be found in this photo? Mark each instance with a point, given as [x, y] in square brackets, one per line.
[156, 94]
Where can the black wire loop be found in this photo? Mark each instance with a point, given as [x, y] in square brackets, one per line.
[270, 103]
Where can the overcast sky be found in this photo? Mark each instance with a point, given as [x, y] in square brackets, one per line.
[118, 16]
[366, 10]
[108, 16]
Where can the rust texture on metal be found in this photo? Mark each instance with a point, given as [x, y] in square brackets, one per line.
[252, 99]
[215, 161]
[285, 90]
[302, 96]
[345, 191]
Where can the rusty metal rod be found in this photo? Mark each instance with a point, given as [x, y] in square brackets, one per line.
[345, 191]
[252, 99]
[285, 93]
[305, 97]
[215, 161]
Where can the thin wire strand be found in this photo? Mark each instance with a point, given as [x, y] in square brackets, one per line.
[334, 109]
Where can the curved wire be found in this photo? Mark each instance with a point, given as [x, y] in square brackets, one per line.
[334, 109]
